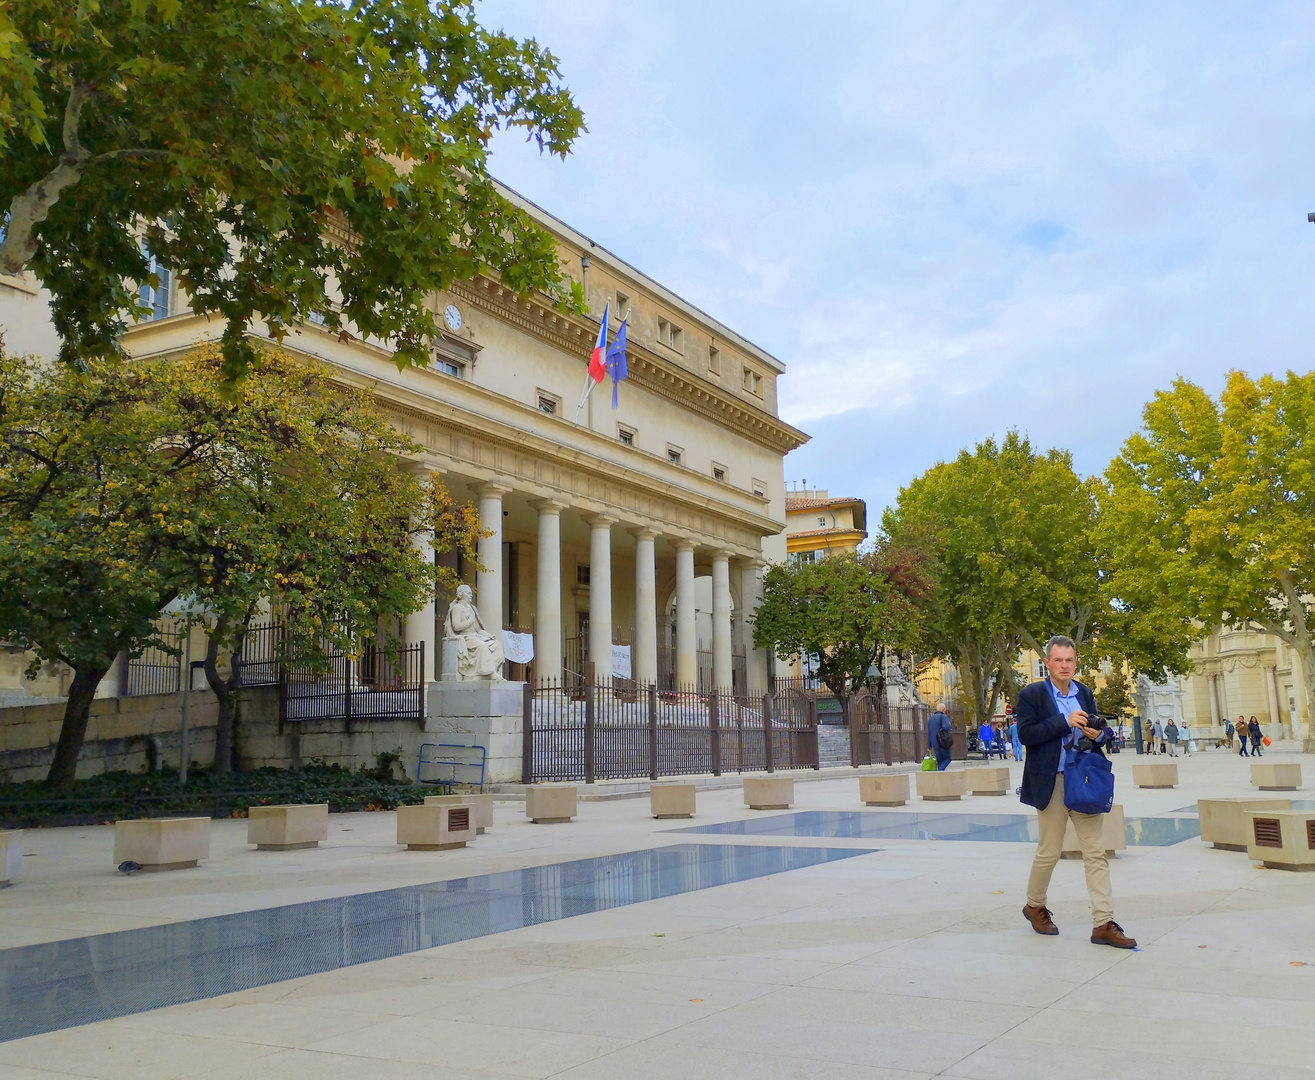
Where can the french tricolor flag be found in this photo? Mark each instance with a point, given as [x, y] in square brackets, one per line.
[598, 362]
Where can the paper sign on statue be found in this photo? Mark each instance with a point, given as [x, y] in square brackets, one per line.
[518, 648]
[621, 661]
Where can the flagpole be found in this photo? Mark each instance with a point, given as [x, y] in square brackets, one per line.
[589, 385]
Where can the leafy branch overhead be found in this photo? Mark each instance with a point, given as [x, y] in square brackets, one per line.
[287, 158]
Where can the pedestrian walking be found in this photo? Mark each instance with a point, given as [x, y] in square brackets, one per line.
[1052, 714]
[1171, 734]
[984, 738]
[1013, 737]
[1228, 733]
[1187, 739]
[1157, 737]
[940, 737]
[1243, 732]
[1253, 729]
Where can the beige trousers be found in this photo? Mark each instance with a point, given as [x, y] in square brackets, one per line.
[1050, 845]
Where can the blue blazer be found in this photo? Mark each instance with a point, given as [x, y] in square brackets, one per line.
[1042, 729]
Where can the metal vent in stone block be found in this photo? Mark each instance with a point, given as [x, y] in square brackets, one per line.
[458, 818]
[1268, 831]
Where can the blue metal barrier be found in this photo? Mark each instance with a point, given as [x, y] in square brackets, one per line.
[454, 761]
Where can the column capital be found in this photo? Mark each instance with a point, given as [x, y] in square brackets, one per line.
[644, 533]
[722, 555]
[492, 488]
[550, 506]
[420, 468]
[601, 521]
[683, 543]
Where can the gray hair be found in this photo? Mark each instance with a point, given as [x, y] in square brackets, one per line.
[940, 706]
[1061, 640]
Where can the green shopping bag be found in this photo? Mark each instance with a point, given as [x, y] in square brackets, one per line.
[929, 762]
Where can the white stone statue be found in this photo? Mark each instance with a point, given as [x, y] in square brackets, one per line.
[479, 653]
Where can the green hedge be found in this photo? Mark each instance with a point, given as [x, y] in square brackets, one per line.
[138, 795]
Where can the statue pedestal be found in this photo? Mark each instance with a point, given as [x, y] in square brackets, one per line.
[480, 713]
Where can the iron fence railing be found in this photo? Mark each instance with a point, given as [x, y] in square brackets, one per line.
[157, 670]
[602, 730]
[373, 684]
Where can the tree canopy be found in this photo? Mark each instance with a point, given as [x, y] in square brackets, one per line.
[848, 610]
[1209, 514]
[1014, 529]
[288, 159]
[126, 488]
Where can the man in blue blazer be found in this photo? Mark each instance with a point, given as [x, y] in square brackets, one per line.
[1053, 714]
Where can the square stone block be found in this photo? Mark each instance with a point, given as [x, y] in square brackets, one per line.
[942, 786]
[11, 850]
[671, 800]
[1223, 821]
[483, 805]
[1276, 777]
[1281, 839]
[1158, 774]
[1113, 834]
[889, 790]
[287, 828]
[989, 780]
[435, 828]
[768, 792]
[162, 843]
[546, 804]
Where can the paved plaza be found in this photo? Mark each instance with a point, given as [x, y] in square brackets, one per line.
[908, 959]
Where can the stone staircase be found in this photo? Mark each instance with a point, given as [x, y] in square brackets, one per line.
[832, 745]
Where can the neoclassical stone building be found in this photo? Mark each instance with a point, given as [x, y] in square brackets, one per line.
[601, 527]
[1242, 672]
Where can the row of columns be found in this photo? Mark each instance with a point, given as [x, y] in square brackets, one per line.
[548, 647]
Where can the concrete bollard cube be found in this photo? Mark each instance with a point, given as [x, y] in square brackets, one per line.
[162, 843]
[483, 805]
[287, 828]
[988, 780]
[548, 804]
[1158, 774]
[889, 790]
[435, 828]
[1276, 777]
[768, 792]
[11, 850]
[671, 800]
[1223, 821]
[942, 786]
[1281, 839]
[1113, 835]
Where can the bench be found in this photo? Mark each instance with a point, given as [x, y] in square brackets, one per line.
[287, 828]
[11, 850]
[1157, 774]
[1281, 839]
[1276, 777]
[1223, 821]
[890, 790]
[768, 792]
[942, 786]
[988, 781]
[435, 828]
[162, 843]
[483, 805]
[671, 800]
[550, 804]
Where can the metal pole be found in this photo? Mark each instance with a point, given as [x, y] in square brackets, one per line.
[652, 732]
[714, 733]
[527, 734]
[768, 755]
[186, 681]
[589, 725]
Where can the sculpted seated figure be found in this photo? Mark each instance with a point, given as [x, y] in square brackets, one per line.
[479, 653]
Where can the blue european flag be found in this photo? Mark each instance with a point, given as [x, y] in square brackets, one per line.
[616, 358]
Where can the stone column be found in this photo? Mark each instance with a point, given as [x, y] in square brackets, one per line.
[548, 609]
[419, 627]
[488, 581]
[722, 662]
[1271, 692]
[687, 645]
[644, 660]
[600, 595]
[751, 594]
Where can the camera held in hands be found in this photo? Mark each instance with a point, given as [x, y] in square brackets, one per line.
[1097, 723]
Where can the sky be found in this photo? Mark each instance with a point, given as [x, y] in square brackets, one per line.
[950, 220]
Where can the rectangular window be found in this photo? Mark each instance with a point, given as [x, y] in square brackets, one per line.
[664, 331]
[671, 335]
[625, 435]
[622, 305]
[714, 360]
[317, 318]
[760, 488]
[677, 339]
[752, 382]
[549, 403]
[581, 574]
[155, 297]
[447, 367]
[821, 523]
[719, 472]
[675, 454]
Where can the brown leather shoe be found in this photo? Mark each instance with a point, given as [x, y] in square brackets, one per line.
[1112, 934]
[1041, 921]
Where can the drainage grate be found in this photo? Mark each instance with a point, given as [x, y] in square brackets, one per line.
[1268, 831]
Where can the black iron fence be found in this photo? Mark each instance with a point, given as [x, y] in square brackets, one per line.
[158, 670]
[371, 684]
[610, 730]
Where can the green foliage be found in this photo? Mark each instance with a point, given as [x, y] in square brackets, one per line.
[130, 486]
[1114, 698]
[115, 795]
[283, 156]
[848, 610]
[1016, 557]
[1209, 515]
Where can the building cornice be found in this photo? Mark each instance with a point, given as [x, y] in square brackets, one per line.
[576, 334]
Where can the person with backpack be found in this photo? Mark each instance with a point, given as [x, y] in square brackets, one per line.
[1052, 716]
[940, 737]
[1228, 733]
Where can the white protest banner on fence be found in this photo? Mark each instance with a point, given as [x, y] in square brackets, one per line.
[621, 661]
[518, 648]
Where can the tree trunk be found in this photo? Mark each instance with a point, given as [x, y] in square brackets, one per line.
[224, 699]
[1306, 656]
[73, 732]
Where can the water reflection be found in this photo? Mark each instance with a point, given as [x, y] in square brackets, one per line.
[65, 983]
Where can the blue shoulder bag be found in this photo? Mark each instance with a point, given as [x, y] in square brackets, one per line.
[1088, 782]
